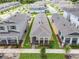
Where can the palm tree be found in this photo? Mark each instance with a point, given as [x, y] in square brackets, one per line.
[67, 50]
[43, 54]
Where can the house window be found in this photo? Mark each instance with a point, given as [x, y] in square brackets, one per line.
[20, 41]
[62, 37]
[78, 19]
[59, 33]
[3, 42]
[2, 28]
[36, 42]
[41, 42]
[33, 40]
[74, 40]
[46, 42]
[67, 40]
[13, 27]
[12, 41]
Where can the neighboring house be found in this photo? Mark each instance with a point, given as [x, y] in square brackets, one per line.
[57, 1]
[41, 32]
[8, 5]
[37, 7]
[67, 33]
[72, 15]
[12, 29]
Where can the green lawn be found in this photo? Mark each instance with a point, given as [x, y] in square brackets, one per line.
[27, 38]
[48, 13]
[37, 56]
[55, 40]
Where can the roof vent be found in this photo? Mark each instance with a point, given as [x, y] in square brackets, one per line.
[15, 15]
[39, 22]
[64, 24]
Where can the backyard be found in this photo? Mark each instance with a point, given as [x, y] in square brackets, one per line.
[37, 56]
[54, 38]
[27, 38]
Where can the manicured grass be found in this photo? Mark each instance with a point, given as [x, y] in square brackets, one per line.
[56, 56]
[27, 39]
[55, 40]
[34, 14]
[48, 13]
[37, 56]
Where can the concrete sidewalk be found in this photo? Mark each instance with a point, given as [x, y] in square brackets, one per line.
[58, 51]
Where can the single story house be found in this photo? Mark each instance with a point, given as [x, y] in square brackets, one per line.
[41, 32]
[67, 33]
[12, 29]
[37, 7]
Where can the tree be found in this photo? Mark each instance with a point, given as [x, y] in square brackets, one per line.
[43, 54]
[51, 43]
[67, 50]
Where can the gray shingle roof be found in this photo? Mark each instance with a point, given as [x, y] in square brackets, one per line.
[74, 11]
[20, 20]
[64, 25]
[41, 26]
[17, 18]
[8, 5]
[70, 9]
